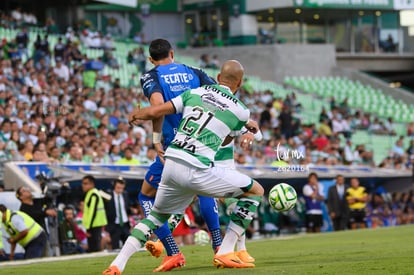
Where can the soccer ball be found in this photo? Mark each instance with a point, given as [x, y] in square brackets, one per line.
[282, 197]
[201, 237]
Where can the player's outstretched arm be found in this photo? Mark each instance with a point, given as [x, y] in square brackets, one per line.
[151, 113]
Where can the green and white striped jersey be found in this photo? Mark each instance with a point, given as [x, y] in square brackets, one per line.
[210, 114]
[225, 155]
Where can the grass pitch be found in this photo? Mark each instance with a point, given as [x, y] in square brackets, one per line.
[369, 251]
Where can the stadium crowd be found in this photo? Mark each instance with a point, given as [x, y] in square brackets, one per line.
[69, 113]
[60, 107]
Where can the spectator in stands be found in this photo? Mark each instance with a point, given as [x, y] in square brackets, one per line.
[285, 122]
[313, 194]
[17, 16]
[75, 154]
[59, 50]
[51, 27]
[73, 52]
[128, 158]
[266, 116]
[337, 127]
[11, 50]
[138, 38]
[215, 62]
[344, 108]
[108, 43]
[337, 204]
[141, 60]
[320, 141]
[389, 127]
[5, 132]
[323, 115]
[89, 77]
[410, 130]
[94, 40]
[45, 49]
[70, 35]
[12, 146]
[398, 149]
[362, 156]
[366, 121]
[61, 70]
[205, 62]
[94, 217]
[346, 127]
[410, 149]
[55, 154]
[377, 128]
[22, 40]
[348, 152]
[356, 120]
[324, 128]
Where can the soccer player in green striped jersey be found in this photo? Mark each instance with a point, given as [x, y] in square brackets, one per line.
[211, 117]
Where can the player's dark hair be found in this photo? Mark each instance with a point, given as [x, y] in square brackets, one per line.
[3, 208]
[159, 49]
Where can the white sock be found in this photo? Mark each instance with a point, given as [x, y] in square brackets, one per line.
[131, 246]
[241, 243]
[229, 241]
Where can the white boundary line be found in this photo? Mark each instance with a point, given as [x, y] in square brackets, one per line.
[109, 253]
[61, 258]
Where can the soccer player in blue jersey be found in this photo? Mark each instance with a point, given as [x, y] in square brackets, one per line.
[164, 82]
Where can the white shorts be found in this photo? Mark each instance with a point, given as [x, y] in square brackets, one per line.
[180, 182]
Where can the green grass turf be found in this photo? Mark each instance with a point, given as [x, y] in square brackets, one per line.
[370, 251]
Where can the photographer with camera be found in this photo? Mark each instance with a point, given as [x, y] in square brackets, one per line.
[35, 208]
[39, 210]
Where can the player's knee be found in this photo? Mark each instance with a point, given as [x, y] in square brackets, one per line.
[148, 190]
[257, 189]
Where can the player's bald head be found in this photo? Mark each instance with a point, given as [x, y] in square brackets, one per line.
[231, 74]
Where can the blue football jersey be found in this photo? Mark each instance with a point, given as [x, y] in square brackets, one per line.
[171, 80]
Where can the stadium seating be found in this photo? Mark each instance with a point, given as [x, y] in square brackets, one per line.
[362, 97]
[359, 96]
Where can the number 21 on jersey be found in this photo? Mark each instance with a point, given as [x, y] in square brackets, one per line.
[195, 123]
